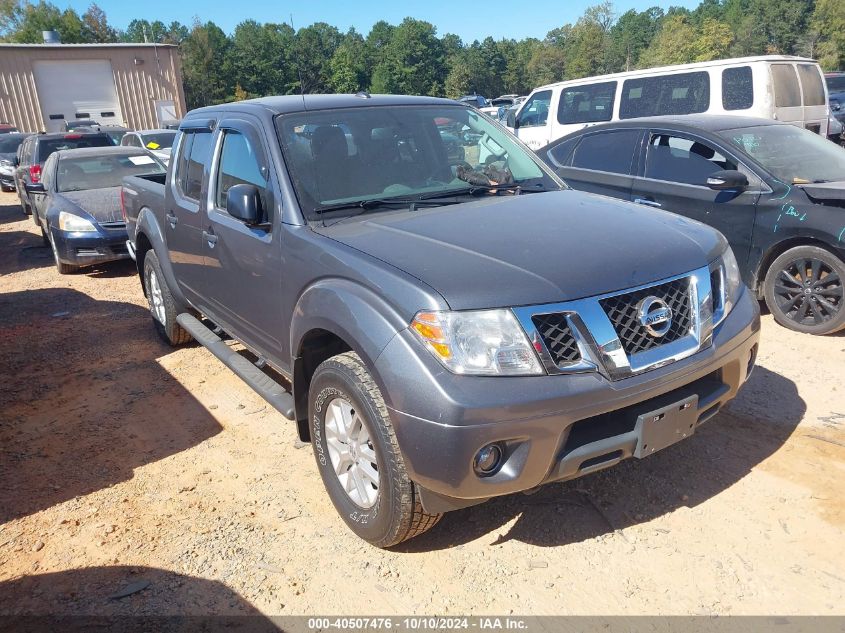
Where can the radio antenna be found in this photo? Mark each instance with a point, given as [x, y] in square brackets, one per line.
[298, 66]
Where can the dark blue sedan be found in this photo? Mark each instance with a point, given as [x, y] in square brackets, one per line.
[78, 203]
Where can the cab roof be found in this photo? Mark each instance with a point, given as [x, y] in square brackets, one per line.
[304, 103]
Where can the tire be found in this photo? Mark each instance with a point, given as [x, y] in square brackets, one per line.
[64, 269]
[162, 305]
[804, 289]
[385, 512]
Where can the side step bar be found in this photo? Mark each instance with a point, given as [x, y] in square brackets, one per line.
[261, 383]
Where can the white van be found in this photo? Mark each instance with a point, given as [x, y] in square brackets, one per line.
[781, 87]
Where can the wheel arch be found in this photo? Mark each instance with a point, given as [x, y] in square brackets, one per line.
[334, 316]
[779, 248]
[149, 237]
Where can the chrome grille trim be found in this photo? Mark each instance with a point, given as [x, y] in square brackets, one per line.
[598, 342]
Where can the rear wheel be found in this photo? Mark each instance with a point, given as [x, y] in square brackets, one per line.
[804, 290]
[358, 455]
[162, 304]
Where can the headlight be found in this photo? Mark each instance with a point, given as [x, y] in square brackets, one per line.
[727, 286]
[484, 342]
[74, 224]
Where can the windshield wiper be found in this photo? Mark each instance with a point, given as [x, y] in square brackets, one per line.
[371, 203]
[477, 190]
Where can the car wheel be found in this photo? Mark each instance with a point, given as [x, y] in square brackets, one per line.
[162, 305]
[358, 455]
[804, 290]
[64, 269]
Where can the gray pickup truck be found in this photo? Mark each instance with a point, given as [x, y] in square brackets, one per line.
[442, 317]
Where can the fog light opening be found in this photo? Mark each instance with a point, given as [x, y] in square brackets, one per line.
[488, 460]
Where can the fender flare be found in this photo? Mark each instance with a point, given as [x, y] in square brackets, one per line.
[353, 313]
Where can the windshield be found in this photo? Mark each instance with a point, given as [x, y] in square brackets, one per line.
[159, 140]
[356, 154]
[100, 172]
[9, 144]
[791, 154]
[835, 84]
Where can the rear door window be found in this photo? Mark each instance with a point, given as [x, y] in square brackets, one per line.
[198, 160]
[683, 160]
[611, 151]
[535, 112]
[787, 90]
[587, 104]
[737, 88]
[682, 93]
[180, 172]
[811, 84]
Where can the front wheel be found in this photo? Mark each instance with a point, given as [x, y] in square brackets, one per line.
[162, 304]
[804, 290]
[64, 269]
[358, 455]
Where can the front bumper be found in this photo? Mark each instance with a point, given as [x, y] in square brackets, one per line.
[89, 248]
[552, 428]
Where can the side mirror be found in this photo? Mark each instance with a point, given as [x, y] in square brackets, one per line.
[727, 180]
[244, 203]
[511, 120]
[35, 187]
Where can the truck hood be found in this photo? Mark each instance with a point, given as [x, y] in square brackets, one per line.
[531, 249]
[102, 204]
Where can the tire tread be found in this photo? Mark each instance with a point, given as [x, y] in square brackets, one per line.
[414, 520]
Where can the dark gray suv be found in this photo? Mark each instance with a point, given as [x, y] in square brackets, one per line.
[443, 330]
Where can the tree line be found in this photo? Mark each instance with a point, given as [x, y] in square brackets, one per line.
[259, 59]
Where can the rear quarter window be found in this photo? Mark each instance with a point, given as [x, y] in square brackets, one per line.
[611, 151]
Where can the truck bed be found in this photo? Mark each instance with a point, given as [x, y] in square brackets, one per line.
[139, 192]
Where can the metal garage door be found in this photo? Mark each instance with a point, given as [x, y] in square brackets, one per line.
[76, 89]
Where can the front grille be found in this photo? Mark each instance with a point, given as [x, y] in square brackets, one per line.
[556, 334]
[622, 312]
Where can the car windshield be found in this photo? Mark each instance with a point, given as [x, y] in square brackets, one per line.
[159, 140]
[101, 172]
[791, 154]
[835, 84]
[9, 144]
[346, 156]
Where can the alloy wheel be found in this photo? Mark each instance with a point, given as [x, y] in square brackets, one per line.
[351, 452]
[156, 299]
[809, 291]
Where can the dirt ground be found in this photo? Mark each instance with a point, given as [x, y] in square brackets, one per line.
[124, 464]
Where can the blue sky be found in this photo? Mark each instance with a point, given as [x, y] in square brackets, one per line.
[470, 19]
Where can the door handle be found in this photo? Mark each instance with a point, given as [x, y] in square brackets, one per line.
[211, 238]
[647, 202]
[172, 219]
